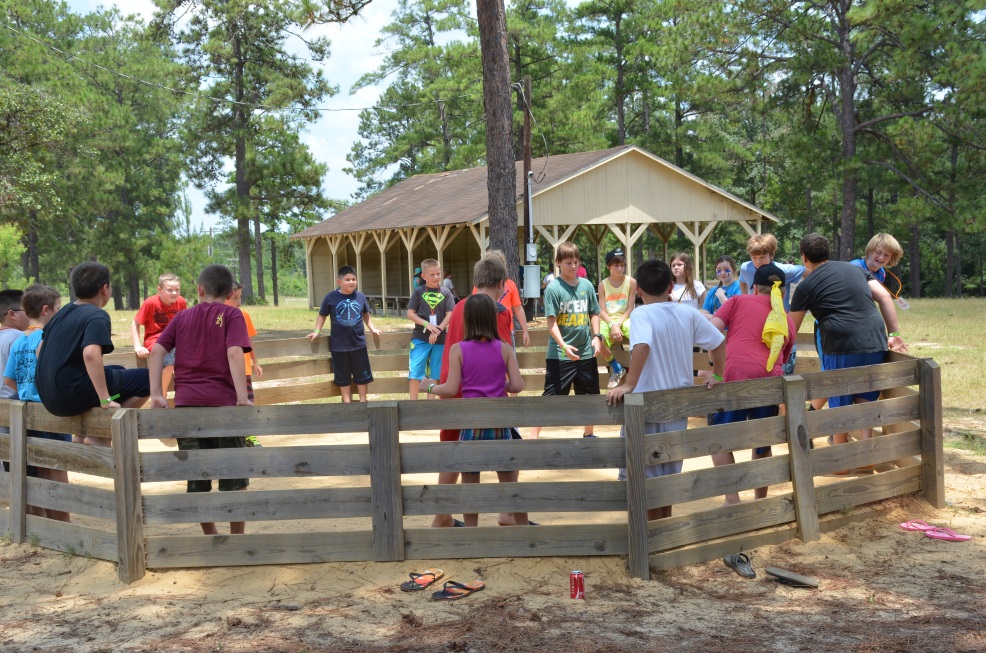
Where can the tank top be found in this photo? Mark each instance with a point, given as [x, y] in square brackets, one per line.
[617, 298]
[484, 374]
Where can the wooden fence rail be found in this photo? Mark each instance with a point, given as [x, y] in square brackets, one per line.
[125, 514]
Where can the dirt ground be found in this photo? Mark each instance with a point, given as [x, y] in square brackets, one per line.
[882, 589]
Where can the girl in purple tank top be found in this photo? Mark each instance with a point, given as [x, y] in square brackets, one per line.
[483, 366]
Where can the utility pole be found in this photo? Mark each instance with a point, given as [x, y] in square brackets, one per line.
[532, 271]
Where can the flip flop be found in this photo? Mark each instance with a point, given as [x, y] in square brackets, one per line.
[791, 579]
[425, 579]
[458, 523]
[947, 534]
[453, 591]
[917, 525]
[740, 563]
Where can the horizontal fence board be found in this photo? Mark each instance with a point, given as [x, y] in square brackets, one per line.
[294, 392]
[513, 455]
[713, 482]
[4, 448]
[835, 383]
[246, 420]
[74, 539]
[290, 347]
[94, 422]
[72, 497]
[667, 405]
[70, 457]
[510, 411]
[257, 505]
[723, 521]
[867, 489]
[297, 369]
[253, 462]
[870, 414]
[708, 440]
[176, 551]
[872, 451]
[515, 541]
[575, 496]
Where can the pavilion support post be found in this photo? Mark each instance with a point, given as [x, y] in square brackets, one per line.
[358, 241]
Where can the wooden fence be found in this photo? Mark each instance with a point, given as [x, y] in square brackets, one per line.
[126, 504]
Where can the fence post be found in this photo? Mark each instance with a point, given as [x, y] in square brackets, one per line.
[802, 480]
[638, 559]
[386, 499]
[932, 458]
[18, 473]
[131, 564]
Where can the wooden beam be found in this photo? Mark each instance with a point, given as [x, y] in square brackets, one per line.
[18, 473]
[932, 454]
[126, 486]
[637, 504]
[385, 483]
[798, 445]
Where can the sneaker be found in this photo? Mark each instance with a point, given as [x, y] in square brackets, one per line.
[616, 379]
[252, 441]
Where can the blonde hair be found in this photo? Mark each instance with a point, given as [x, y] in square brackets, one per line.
[887, 243]
[428, 263]
[167, 276]
[762, 244]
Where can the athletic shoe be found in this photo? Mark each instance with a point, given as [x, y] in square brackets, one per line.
[616, 379]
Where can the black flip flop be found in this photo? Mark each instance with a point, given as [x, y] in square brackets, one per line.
[740, 563]
[792, 579]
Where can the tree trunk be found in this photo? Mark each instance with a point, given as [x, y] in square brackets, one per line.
[258, 246]
[243, 208]
[117, 290]
[273, 267]
[870, 211]
[914, 260]
[949, 261]
[621, 93]
[809, 216]
[33, 271]
[501, 169]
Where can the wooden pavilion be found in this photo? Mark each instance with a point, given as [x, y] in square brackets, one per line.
[624, 190]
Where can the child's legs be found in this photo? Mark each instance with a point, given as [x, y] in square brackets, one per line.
[342, 374]
[519, 518]
[346, 392]
[471, 519]
[558, 378]
[167, 375]
[586, 382]
[57, 475]
[361, 389]
[719, 459]
[417, 364]
[435, 362]
[446, 478]
[360, 367]
[758, 453]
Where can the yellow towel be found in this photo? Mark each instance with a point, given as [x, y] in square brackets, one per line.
[775, 328]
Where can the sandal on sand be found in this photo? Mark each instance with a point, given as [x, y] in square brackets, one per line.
[740, 563]
[917, 525]
[458, 523]
[947, 534]
[453, 591]
[792, 579]
[421, 581]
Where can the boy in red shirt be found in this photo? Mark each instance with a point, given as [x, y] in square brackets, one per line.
[155, 314]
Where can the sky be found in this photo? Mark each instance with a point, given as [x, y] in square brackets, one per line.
[330, 138]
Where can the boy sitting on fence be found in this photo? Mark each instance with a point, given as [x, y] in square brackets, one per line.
[156, 313]
[70, 375]
[40, 304]
[662, 334]
[211, 339]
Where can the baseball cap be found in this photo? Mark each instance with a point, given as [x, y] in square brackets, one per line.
[417, 270]
[614, 253]
[762, 276]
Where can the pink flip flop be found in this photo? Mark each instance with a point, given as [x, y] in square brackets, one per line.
[917, 525]
[947, 534]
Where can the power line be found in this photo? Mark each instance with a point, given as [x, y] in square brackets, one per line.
[530, 110]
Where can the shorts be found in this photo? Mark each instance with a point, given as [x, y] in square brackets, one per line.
[203, 444]
[169, 358]
[561, 375]
[250, 388]
[624, 329]
[126, 383]
[791, 360]
[45, 435]
[660, 469]
[425, 360]
[352, 367]
[846, 361]
[742, 415]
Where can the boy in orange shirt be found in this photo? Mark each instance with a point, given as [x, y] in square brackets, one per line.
[155, 314]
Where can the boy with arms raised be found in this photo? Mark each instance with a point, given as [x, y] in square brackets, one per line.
[155, 314]
[429, 308]
[617, 295]
[348, 312]
[40, 304]
[209, 368]
[70, 375]
[662, 334]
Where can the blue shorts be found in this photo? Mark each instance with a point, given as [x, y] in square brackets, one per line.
[660, 469]
[791, 360]
[169, 358]
[425, 360]
[742, 415]
[846, 361]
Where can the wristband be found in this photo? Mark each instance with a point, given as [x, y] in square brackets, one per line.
[430, 387]
[895, 334]
[598, 335]
[106, 401]
[717, 377]
[318, 331]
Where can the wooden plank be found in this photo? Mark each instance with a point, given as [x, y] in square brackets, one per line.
[266, 420]
[667, 405]
[872, 451]
[74, 498]
[4, 516]
[805, 342]
[5, 411]
[70, 457]
[636, 488]
[294, 392]
[706, 483]
[867, 489]
[299, 368]
[708, 440]
[802, 365]
[291, 347]
[175, 551]
[73, 539]
[265, 462]
[798, 445]
[95, 421]
[574, 496]
[516, 541]
[126, 359]
[512, 455]
[129, 508]
[5, 448]
[510, 411]
[18, 473]
[723, 521]
[385, 483]
[932, 454]
[257, 505]
[835, 383]
[870, 414]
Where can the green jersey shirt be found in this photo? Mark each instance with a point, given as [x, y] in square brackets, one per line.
[572, 307]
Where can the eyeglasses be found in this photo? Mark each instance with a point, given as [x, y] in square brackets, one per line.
[722, 273]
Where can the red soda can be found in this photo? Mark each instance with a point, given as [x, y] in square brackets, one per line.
[576, 584]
